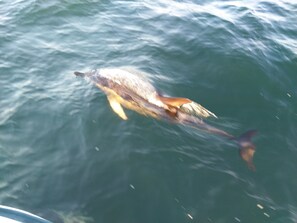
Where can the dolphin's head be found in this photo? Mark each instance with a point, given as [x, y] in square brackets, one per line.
[92, 75]
[95, 77]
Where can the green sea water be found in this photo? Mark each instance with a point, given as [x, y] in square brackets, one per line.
[64, 154]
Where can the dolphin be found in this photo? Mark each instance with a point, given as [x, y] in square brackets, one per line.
[132, 89]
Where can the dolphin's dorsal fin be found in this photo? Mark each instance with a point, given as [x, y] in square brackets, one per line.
[116, 106]
[188, 106]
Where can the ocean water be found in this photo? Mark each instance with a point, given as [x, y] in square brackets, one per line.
[64, 154]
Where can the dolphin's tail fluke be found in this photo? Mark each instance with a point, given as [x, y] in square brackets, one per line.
[79, 74]
[247, 148]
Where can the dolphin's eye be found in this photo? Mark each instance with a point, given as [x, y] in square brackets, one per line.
[103, 82]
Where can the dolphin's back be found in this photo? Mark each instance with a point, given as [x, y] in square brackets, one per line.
[135, 82]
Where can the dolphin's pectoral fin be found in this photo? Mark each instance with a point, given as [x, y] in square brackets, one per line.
[188, 106]
[116, 107]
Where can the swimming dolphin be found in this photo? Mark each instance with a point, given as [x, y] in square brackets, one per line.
[133, 90]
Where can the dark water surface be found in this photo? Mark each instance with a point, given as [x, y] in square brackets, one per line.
[64, 152]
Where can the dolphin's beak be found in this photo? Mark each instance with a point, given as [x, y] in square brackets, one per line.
[79, 74]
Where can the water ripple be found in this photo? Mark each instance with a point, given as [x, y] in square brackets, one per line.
[63, 148]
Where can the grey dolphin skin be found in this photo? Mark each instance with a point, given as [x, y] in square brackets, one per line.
[131, 89]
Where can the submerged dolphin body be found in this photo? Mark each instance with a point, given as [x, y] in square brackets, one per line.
[132, 90]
